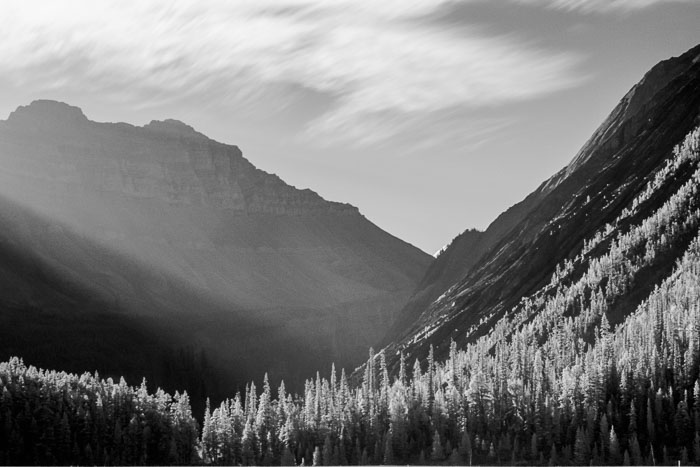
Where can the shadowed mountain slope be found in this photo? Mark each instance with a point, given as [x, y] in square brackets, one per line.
[452, 264]
[161, 225]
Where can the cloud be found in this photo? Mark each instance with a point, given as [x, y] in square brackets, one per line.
[378, 61]
[601, 6]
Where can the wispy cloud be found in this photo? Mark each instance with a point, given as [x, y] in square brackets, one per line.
[601, 6]
[377, 61]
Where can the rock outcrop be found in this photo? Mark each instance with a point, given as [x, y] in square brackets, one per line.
[164, 160]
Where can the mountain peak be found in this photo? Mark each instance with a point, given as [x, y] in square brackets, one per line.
[659, 84]
[44, 111]
[625, 178]
[185, 231]
[172, 126]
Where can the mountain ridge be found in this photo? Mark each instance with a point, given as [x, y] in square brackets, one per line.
[526, 241]
[54, 116]
[186, 236]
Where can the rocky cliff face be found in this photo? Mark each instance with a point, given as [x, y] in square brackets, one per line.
[516, 256]
[165, 160]
[161, 223]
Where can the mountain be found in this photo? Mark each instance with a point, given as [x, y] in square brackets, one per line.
[451, 264]
[567, 333]
[134, 246]
[568, 223]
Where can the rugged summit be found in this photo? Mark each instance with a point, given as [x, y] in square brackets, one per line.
[164, 160]
[162, 225]
[516, 257]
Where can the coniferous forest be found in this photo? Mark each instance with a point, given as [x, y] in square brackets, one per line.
[559, 380]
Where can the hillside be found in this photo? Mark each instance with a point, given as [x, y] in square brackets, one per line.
[574, 340]
[595, 368]
[58, 418]
[518, 253]
[452, 264]
[589, 352]
[179, 242]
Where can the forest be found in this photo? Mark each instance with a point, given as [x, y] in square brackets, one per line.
[570, 376]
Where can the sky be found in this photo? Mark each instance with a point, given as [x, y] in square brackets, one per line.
[430, 116]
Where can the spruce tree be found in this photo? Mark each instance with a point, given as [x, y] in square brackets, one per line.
[388, 450]
[317, 457]
[327, 453]
[287, 458]
[614, 457]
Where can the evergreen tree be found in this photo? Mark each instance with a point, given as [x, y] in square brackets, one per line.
[455, 458]
[287, 457]
[465, 447]
[317, 457]
[614, 457]
[388, 450]
[327, 453]
[436, 453]
[581, 449]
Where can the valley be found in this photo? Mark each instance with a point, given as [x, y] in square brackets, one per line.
[566, 333]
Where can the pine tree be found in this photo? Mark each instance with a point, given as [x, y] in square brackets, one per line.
[287, 458]
[581, 449]
[327, 451]
[431, 377]
[614, 457]
[465, 447]
[553, 457]
[248, 443]
[633, 419]
[635, 451]
[317, 456]
[207, 434]
[455, 458]
[651, 432]
[492, 452]
[388, 449]
[683, 424]
[436, 453]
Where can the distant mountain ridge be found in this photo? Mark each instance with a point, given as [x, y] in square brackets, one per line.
[517, 254]
[187, 169]
[162, 226]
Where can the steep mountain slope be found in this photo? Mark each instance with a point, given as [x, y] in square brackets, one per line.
[528, 242]
[161, 225]
[600, 366]
[452, 264]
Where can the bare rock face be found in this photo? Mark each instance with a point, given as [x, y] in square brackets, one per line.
[162, 223]
[47, 114]
[165, 160]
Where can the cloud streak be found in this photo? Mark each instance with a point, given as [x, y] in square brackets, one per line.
[377, 61]
[601, 6]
